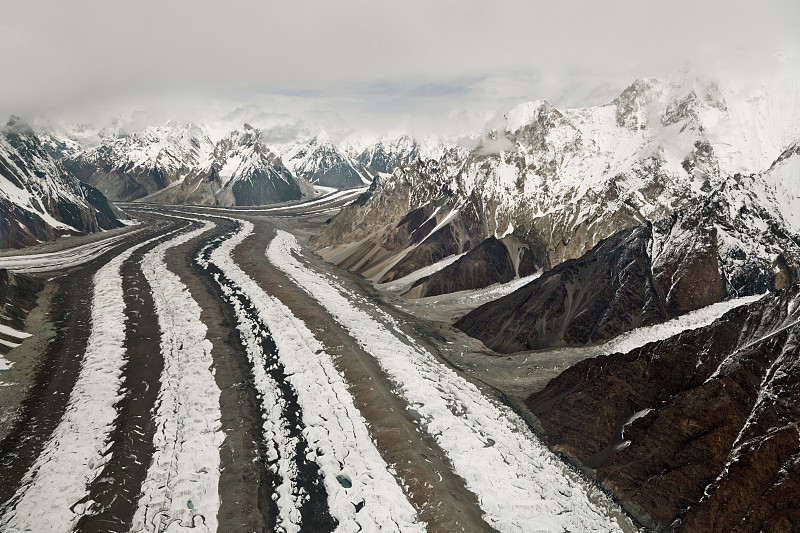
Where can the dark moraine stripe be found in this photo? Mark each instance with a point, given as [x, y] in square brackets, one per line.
[314, 511]
[44, 406]
[245, 483]
[116, 490]
[47, 399]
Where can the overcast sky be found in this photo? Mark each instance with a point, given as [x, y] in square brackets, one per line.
[368, 64]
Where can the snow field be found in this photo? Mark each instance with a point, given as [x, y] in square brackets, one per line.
[75, 455]
[336, 432]
[519, 483]
[180, 492]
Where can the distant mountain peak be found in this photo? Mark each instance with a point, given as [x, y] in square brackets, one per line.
[321, 162]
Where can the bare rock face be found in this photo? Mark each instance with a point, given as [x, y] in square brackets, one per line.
[687, 274]
[692, 259]
[455, 237]
[487, 263]
[180, 164]
[18, 294]
[381, 238]
[39, 198]
[695, 433]
[608, 290]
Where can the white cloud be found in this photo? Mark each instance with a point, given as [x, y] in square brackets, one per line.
[371, 64]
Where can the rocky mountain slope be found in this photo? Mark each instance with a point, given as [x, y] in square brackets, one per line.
[723, 248]
[387, 153]
[559, 181]
[186, 164]
[607, 291]
[321, 162]
[128, 167]
[39, 198]
[695, 433]
[240, 171]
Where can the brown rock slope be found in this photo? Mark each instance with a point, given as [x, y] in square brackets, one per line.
[608, 290]
[695, 433]
[489, 262]
[641, 276]
[18, 294]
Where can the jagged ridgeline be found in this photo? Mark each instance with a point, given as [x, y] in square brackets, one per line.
[179, 163]
[715, 171]
[668, 199]
[39, 198]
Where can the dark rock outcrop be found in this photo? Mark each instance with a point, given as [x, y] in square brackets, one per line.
[697, 257]
[18, 293]
[608, 290]
[695, 433]
[454, 238]
[487, 263]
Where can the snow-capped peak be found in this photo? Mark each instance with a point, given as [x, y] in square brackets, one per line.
[321, 162]
[526, 113]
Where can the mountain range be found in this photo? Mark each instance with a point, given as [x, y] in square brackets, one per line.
[551, 184]
[673, 196]
[669, 198]
[39, 198]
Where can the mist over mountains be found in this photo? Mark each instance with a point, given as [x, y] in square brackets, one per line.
[673, 196]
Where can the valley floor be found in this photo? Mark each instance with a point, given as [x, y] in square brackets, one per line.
[206, 371]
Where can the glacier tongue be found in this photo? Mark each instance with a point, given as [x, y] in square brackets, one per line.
[489, 446]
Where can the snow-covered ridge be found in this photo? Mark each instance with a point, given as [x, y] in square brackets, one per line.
[562, 180]
[187, 163]
[39, 198]
[520, 484]
[171, 148]
[321, 162]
